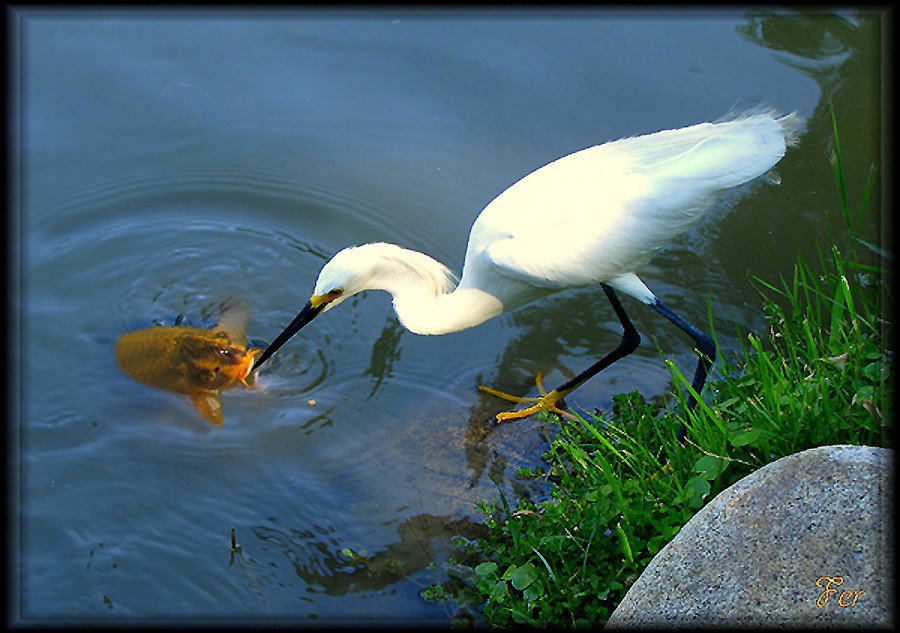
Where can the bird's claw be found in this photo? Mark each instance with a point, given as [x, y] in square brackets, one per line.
[546, 402]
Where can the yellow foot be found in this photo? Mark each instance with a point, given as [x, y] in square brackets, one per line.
[547, 402]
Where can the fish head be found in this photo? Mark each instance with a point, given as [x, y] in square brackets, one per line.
[212, 361]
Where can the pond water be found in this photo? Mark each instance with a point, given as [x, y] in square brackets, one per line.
[168, 161]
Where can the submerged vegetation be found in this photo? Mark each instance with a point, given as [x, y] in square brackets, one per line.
[622, 487]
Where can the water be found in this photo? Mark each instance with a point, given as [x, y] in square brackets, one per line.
[170, 160]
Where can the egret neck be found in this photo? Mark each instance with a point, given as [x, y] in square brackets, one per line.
[426, 313]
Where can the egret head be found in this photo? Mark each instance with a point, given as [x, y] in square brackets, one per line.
[350, 271]
[377, 266]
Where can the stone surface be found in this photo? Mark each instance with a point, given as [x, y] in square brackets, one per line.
[762, 552]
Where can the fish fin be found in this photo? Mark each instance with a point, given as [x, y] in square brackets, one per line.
[234, 317]
[209, 404]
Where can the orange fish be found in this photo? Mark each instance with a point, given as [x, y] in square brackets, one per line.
[196, 361]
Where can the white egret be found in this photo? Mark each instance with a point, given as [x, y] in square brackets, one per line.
[595, 216]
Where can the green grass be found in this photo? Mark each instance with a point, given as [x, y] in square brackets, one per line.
[622, 487]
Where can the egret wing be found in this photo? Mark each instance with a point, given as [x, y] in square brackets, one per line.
[557, 226]
[605, 211]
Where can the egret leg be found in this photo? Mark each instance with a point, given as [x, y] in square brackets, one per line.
[548, 401]
[705, 346]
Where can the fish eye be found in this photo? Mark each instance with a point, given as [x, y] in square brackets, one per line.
[208, 375]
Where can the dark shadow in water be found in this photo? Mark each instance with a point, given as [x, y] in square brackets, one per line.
[327, 567]
[844, 55]
[385, 352]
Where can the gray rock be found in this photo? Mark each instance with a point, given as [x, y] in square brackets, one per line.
[762, 552]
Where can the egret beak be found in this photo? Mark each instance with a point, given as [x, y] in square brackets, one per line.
[309, 312]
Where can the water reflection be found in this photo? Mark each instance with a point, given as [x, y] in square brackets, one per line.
[385, 352]
[843, 53]
[813, 38]
[320, 558]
